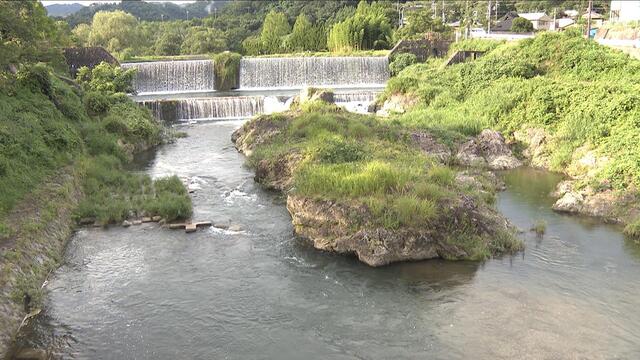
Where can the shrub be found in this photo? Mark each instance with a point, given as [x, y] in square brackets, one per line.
[539, 227]
[36, 78]
[227, 70]
[521, 25]
[96, 102]
[336, 150]
[633, 229]
[401, 61]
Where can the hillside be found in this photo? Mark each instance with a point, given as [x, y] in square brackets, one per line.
[62, 10]
[569, 105]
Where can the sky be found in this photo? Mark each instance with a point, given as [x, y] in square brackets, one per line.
[89, 2]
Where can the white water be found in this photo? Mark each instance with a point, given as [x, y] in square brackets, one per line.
[220, 108]
[268, 73]
[173, 76]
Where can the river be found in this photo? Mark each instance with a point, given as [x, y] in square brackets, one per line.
[260, 293]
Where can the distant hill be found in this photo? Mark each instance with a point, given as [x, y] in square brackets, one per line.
[62, 10]
[149, 11]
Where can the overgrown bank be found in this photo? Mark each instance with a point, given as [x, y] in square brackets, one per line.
[63, 146]
[568, 104]
[356, 185]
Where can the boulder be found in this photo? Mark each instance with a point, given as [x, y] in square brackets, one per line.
[316, 94]
[397, 104]
[488, 148]
[31, 354]
[126, 223]
[431, 146]
[570, 202]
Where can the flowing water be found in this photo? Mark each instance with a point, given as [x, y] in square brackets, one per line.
[260, 293]
[296, 72]
[173, 76]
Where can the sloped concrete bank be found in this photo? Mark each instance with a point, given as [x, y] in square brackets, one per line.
[39, 229]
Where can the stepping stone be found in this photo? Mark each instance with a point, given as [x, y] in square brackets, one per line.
[146, 219]
[137, 222]
[156, 218]
[189, 228]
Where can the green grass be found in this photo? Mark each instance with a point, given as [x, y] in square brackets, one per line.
[633, 229]
[329, 54]
[372, 167]
[539, 227]
[48, 125]
[585, 96]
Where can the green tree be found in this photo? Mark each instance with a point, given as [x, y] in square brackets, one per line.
[82, 32]
[203, 40]
[114, 30]
[521, 25]
[421, 22]
[305, 36]
[367, 29]
[169, 43]
[275, 28]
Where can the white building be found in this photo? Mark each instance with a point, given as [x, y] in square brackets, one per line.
[540, 20]
[625, 10]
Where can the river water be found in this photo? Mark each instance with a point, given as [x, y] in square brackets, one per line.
[260, 293]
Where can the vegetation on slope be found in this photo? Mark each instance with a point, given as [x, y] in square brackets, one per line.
[358, 161]
[582, 94]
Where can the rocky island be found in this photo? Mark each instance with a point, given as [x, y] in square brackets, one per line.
[359, 185]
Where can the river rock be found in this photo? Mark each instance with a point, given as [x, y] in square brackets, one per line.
[570, 202]
[316, 94]
[126, 223]
[431, 146]
[235, 228]
[156, 218]
[488, 148]
[136, 222]
[397, 104]
[221, 226]
[31, 354]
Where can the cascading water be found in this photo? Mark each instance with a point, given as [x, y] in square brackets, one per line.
[362, 96]
[295, 72]
[173, 76]
[220, 108]
[206, 108]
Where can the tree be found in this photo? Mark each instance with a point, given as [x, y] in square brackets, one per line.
[275, 28]
[421, 22]
[305, 36]
[521, 25]
[114, 30]
[367, 29]
[82, 32]
[169, 43]
[203, 40]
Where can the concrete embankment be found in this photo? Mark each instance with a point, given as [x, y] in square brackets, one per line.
[38, 231]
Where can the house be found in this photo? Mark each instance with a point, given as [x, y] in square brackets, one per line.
[563, 23]
[625, 11]
[596, 19]
[573, 14]
[505, 22]
[540, 20]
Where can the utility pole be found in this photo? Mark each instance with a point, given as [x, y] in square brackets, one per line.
[489, 17]
[589, 20]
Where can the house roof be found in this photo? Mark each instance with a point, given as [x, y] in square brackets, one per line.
[564, 22]
[504, 24]
[535, 16]
[594, 15]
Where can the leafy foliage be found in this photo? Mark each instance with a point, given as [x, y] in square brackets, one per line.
[521, 25]
[227, 70]
[106, 78]
[367, 29]
[401, 61]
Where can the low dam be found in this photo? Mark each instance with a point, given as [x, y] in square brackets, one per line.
[173, 76]
[296, 72]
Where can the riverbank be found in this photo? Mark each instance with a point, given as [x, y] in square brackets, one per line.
[355, 185]
[39, 226]
[564, 103]
[63, 147]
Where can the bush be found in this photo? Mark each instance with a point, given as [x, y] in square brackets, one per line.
[633, 229]
[106, 78]
[336, 150]
[227, 70]
[521, 25]
[401, 61]
[36, 77]
[96, 103]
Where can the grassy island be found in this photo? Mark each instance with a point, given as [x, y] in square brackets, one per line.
[349, 176]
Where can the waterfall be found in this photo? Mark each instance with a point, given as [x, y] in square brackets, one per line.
[361, 96]
[220, 108]
[173, 76]
[295, 72]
